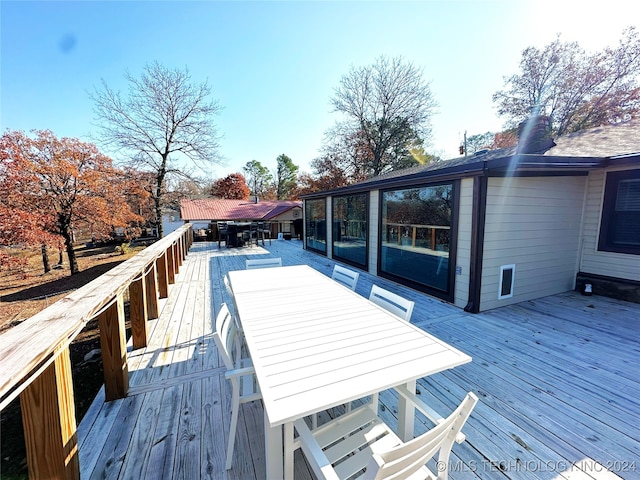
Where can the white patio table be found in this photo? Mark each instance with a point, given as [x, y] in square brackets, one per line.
[316, 344]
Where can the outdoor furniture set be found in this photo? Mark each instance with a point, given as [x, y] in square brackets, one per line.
[317, 346]
[239, 234]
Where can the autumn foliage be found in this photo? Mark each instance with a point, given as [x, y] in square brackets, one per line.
[54, 187]
[232, 187]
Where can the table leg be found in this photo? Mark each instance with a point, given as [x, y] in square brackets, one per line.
[273, 450]
[288, 451]
[406, 414]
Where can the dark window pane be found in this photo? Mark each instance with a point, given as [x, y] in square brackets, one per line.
[620, 226]
[416, 234]
[350, 228]
[316, 225]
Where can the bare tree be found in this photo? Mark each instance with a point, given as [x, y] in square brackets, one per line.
[165, 124]
[577, 90]
[388, 108]
[479, 142]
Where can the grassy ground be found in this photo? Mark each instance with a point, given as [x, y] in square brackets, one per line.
[24, 294]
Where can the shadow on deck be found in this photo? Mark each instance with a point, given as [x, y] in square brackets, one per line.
[557, 380]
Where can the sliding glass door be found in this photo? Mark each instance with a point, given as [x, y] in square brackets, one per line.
[315, 214]
[416, 236]
[349, 234]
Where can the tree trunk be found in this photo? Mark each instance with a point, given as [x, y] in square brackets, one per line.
[159, 225]
[65, 231]
[71, 254]
[45, 259]
[158, 197]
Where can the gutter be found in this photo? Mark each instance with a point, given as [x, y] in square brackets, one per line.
[478, 221]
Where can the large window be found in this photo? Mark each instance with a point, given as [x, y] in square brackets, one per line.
[416, 236]
[620, 226]
[316, 225]
[350, 229]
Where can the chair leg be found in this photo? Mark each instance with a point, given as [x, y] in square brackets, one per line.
[375, 402]
[235, 407]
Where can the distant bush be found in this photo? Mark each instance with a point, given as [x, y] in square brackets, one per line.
[122, 249]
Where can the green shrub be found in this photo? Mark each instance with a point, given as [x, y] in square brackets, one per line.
[122, 249]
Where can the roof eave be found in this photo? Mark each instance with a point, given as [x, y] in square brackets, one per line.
[502, 165]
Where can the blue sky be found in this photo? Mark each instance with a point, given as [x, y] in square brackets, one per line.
[273, 66]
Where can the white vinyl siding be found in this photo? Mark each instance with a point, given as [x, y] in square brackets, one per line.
[374, 217]
[463, 252]
[533, 223]
[610, 264]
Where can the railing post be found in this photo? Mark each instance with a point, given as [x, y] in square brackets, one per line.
[152, 292]
[182, 255]
[176, 262]
[163, 275]
[174, 257]
[114, 351]
[49, 422]
[171, 265]
[138, 312]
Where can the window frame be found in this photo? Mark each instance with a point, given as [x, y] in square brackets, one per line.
[306, 245]
[608, 214]
[449, 294]
[364, 266]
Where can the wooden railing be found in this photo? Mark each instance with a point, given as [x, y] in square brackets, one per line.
[34, 356]
[412, 230]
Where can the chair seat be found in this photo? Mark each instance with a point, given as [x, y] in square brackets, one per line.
[360, 444]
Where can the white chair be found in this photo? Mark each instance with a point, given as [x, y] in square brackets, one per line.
[263, 263]
[345, 276]
[239, 372]
[396, 304]
[360, 444]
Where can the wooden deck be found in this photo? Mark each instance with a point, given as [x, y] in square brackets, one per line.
[558, 380]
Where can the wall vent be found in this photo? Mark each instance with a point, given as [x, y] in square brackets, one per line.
[507, 280]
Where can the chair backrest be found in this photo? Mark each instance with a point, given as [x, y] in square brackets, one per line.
[345, 276]
[227, 284]
[396, 304]
[263, 263]
[408, 458]
[226, 337]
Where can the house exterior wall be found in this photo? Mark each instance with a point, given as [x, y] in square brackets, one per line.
[374, 225]
[610, 264]
[329, 210]
[463, 251]
[535, 224]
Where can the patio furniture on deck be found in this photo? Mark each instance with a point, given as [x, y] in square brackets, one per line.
[263, 263]
[237, 233]
[239, 372]
[265, 231]
[390, 301]
[347, 277]
[316, 345]
[223, 233]
[361, 444]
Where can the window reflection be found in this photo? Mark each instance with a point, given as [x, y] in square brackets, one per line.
[316, 225]
[350, 228]
[416, 234]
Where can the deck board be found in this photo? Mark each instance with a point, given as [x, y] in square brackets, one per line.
[558, 380]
